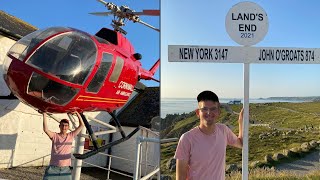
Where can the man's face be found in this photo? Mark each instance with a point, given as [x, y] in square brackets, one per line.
[208, 112]
[64, 127]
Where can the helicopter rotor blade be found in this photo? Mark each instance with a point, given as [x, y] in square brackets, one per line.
[148, 25]
[101, 13]
[103, 2]
[148, 13]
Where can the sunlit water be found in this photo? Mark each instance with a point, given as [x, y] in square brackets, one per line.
[186, 105]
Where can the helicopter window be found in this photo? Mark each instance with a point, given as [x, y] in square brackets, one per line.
[50, 91]
[100, 40]
[108, 35]
[117, 70]
[99, 78]
[69, 56]
[22, 47]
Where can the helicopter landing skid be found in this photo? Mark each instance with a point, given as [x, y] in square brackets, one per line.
[98, 149]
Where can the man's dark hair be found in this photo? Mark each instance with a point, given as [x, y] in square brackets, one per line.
[64, 121]
[207, 96]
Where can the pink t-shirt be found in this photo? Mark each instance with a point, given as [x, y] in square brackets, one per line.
[61, 149]
[205, 154]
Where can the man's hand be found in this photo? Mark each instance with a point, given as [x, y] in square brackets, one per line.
[239, 143]
[240, 120]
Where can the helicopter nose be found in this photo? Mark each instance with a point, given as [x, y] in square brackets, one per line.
[6, 64]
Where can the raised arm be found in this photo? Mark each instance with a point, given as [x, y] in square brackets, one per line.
[240, 135]
[81, 124]
[45, 126]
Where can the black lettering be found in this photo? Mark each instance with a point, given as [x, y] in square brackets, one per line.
[197, 51]
[201, 53]
[241, 27]
[226, 51]
[278, 55]
[252, 16]
[287, 54]
[295, 56]
[247, 27]
[266, 55]
[291, 55]
[232, 17]
[206, 53]
[253, 27]
[222, 54]
[283, 55]
[190, 53]
[210, 54]
[260, 17]
[246, 17]
[186, 53]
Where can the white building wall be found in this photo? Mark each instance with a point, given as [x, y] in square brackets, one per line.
[22, 140]
[127, 150]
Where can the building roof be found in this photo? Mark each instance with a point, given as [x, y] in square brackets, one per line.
[13, 27]
[142, 109]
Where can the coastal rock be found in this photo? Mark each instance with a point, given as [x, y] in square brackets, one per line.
[313, 144]
[296, 150]
[288, 153]
[232, 167]
[255, 164]
[268, 158]
[305, 147]
[278, 156]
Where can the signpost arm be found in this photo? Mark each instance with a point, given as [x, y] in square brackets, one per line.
[245, 148]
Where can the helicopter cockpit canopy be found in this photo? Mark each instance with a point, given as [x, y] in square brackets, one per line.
[63, 53]
[67, 53]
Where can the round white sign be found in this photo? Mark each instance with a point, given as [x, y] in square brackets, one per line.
[247, 23]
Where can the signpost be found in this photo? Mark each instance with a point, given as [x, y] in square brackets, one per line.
[246, 24]
[234, 54]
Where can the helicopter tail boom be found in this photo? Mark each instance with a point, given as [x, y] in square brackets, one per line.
[148, 75]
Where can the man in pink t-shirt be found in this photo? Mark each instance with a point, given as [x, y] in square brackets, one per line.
[201, 152]
[60, 161]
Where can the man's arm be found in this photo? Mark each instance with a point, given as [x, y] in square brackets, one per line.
[45, 126]
[81, 124]
[181, 169]
[240, 135]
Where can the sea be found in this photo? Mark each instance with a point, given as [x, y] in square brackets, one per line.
[186, 105]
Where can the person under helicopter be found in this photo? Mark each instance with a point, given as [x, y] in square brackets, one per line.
[60, 162]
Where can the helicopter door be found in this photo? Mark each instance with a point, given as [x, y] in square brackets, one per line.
[117, 70]
[99, 78]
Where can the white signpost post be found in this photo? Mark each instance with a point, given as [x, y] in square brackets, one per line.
[246, 24]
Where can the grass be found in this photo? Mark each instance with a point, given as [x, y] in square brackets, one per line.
[282, 116]
[270, 174]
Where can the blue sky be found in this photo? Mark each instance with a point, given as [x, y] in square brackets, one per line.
[74, 13]
[292, 23]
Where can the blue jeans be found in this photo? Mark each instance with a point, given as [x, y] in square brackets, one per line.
[57, 173]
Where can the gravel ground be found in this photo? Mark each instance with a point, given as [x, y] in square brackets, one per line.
[304, 165]
[36, 173]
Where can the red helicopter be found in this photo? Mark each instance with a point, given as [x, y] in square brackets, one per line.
[61, 70]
